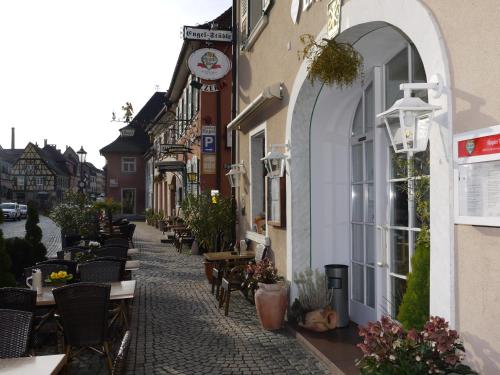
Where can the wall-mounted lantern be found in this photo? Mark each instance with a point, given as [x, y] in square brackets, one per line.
[408, 120]
[235, 173]
[275, 161]
[192, 177]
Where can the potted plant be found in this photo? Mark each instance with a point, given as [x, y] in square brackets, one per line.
[331, 62]
[161, 220]
[270, 296]
[312, 309]
[110, 207]
[390, 350]
[58, 278]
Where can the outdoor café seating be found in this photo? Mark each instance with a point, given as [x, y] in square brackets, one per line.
[15, 333]
[113, 251]
[83, 310]
[69, 264]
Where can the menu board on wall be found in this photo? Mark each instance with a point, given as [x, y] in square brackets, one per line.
[479, 189]
[276, 201]
[477, 177]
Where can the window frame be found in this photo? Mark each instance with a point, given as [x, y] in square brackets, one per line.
[129, 162]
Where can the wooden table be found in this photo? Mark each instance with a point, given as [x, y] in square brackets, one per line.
[40, 365]
[132, 265]
[120, 290]
[222, 256]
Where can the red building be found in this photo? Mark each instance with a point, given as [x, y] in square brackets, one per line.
[125, 166]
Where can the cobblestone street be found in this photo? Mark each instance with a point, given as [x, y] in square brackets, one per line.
[177, 327]
[51, 233]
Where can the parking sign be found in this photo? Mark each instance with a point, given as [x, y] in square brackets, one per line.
[208, 139]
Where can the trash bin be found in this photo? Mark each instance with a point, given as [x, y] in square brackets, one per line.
[337, 281]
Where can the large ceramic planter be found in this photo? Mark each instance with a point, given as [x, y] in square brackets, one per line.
[271, 303]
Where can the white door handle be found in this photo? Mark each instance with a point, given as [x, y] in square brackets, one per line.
[382, 257]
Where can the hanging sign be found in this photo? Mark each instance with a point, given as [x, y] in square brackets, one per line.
[209, 63]
[193, 33]
[333, 23]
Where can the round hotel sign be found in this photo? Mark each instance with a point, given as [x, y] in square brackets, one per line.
[209, 63]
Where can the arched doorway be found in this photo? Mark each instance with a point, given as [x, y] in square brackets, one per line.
[354, 214]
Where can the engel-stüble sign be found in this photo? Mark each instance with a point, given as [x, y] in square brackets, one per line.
[192, 33]
[479, 146]
[209, 63]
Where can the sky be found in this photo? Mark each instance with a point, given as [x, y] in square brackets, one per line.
[66, 65]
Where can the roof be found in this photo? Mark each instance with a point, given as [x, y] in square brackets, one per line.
[54, 159]
[11, 155]
[181, 71]
[139, 142]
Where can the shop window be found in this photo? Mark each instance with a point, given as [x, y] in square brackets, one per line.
[128, 201]
[128, 165]
[258, 182]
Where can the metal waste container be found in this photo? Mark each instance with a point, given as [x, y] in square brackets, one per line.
[337, 280]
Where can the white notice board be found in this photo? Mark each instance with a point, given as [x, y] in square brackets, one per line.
[477, 177]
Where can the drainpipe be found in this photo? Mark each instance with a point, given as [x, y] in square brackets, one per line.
[234, 92]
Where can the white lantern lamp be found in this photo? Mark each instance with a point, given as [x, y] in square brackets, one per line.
[408, 120]
[235, 174]
[275, 161]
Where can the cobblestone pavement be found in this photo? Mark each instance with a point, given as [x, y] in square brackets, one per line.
[51, 233]
[177, 327]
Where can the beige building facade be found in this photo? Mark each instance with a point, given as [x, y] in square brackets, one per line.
[342, 198]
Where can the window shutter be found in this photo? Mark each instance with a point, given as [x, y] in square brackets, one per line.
[244, 20]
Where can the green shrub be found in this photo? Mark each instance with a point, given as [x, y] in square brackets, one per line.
[6, 277]
[21, 254]
[34, 234]
[414, 309]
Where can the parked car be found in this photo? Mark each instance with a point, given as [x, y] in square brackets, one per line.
[23, 210]
[10, 211]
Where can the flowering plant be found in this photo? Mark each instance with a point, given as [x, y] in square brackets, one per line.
[389, 350]
[264, 272]
[59, 277]
[94, 244]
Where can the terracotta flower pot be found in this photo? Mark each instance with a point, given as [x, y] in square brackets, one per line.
[271, 303]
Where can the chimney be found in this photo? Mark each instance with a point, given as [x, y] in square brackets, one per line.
[44, 142]
[13, 139]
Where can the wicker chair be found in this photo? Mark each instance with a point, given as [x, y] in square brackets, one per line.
[70, 264]
[128, 230]
[120, 363]
[123, 262]
[83, 309]
[101, 271]
[15, 331]
[121, 242]
[18, 299]
[111, 251]
[46, 269]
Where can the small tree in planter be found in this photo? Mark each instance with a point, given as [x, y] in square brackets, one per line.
[390, 350]
[21, 254]
[34, 234]
[331, 62]
[6, 276]
[110, 207]
[76, 217]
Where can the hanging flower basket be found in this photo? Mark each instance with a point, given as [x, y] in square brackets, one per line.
[331, 62]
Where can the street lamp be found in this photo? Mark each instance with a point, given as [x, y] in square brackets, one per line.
[275, 161]
[235, 174]
[408, 120]
[82, 155]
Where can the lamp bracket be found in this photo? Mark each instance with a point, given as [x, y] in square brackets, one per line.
[435, 85]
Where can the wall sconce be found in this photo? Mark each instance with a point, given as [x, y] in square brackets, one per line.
[235, 173]
[408, 120]
[274, 161]
[192, 177]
